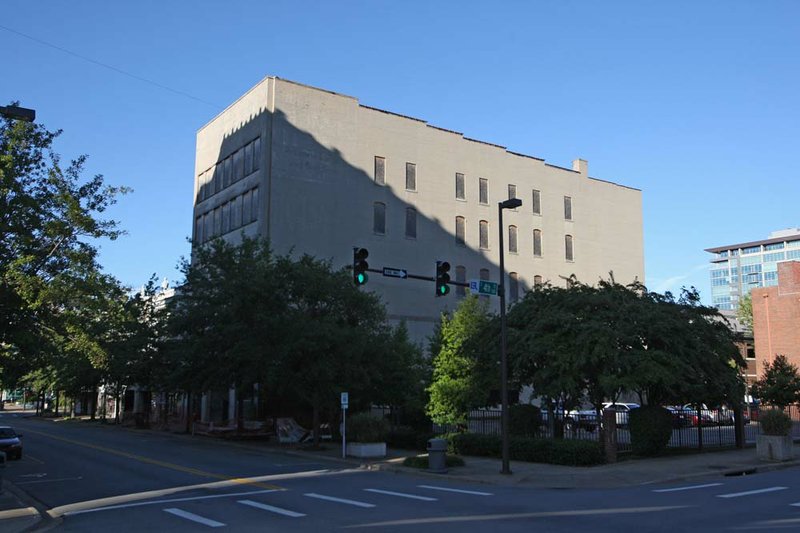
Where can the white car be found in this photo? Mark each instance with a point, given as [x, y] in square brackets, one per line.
[623, 410]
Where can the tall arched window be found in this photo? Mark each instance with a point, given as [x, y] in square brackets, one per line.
[379, 218]
[461, 276]
[537, 243]
[460, 231]
[512, 239]
[513, 286]
[568, 248]
[484, 235]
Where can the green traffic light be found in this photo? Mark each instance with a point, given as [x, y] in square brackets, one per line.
[361, 278]
[443, 289]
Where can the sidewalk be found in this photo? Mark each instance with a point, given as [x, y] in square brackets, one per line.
[626, 473]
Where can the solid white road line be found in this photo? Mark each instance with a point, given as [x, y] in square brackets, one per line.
[460, 491]
[338, 500]
[194, 517]
[402, 495]
[750, 492]
[265, 507]
[690, 487]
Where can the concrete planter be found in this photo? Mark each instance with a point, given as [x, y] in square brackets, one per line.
[366, 449]
[774, 448]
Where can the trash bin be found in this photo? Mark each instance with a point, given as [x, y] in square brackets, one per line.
[437, 455]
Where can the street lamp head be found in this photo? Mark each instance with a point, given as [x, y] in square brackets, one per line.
[18, 113]
[511, 203]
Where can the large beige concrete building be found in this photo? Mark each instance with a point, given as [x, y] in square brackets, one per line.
[317, 172]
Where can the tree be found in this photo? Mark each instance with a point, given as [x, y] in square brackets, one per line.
[463, 372]
[745, 311]
[780, 383]
[48, 216]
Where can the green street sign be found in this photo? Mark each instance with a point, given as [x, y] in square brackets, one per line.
[483, 287]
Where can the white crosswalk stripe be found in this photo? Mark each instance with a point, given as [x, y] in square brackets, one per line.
[460, 491]
[750, 492]
[270, 508]
[690, 487]
[194, 517]
[402, 495]
[338, 500]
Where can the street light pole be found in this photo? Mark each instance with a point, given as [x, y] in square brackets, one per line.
[511, 203]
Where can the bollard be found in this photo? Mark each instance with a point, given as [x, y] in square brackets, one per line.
[437, 456]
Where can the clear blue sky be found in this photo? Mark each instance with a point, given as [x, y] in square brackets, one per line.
[694, 103]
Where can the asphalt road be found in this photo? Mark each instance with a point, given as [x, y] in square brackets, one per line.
[106, 478]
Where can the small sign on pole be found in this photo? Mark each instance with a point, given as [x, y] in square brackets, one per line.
[345, 403]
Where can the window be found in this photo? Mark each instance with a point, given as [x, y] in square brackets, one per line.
[568, 248]
[247, 208]
[208, 226]
[537, 281]
[484, 275]
[483, 190]
[460, 195]
[537, 202]
[411, 177]
[461, 277]
[460, 229]
[255, 204]
[256, 153]
[217, 221]
[379, 218]
[484, 235]
[537, 243]
[226, 217]
[513, 286]
[380, 170]
[567, 208]
[198, 229]
[238, 165]
[236, 213]
[512, 239]
[227, 175]
[512, 191]
[248, 159]
[217, 179]
[411, 223]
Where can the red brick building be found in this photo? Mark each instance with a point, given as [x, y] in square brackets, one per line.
[776, 317]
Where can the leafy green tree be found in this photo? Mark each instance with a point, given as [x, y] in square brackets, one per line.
[463, 369]
[780, 383]
[745, 311]
[49, 214]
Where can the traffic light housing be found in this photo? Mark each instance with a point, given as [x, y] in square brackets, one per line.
[442, 278]
[360, 266]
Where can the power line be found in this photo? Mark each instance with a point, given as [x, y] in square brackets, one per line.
[110, 67]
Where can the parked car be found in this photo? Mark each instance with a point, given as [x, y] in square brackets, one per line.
[623, 411]
[10, 442]
[581, 419]
[680, 417]
[706, 418]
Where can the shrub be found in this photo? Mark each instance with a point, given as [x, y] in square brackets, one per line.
[421, 461]
[524, 420]
[651, 429]
[473, 444]
[407, 438]
[365, 427]
[775, 422]
[533, 450]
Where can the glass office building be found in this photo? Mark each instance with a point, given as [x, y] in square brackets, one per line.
[737, 268]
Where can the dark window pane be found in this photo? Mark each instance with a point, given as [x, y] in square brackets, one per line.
[411, 223]
[460, 195]
[461, 277]
[483, 191]
[568, 247]
[567, 208]
[484, 235]
[379, 218]
[512, 239]
[537, 243]
[537, 202]
[411, 177]
[380, 170]
[460, 230]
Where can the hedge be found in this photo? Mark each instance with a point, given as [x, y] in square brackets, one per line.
[533, 450]
[651, 429]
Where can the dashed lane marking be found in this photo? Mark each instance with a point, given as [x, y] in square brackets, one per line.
[270, 508]
[338, 500]
[402, 495]
[194, 517]
[690, 487]
[751, 492]
[460, 491]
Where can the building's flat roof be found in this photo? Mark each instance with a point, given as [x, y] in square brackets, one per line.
[753, 243]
